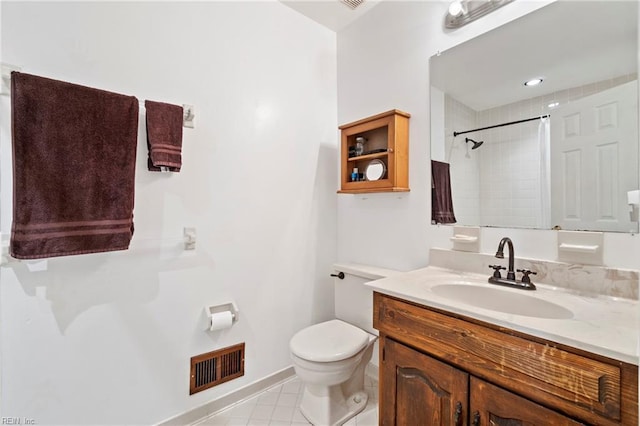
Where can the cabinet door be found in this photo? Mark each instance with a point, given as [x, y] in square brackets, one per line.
[494, 406]
[419, 390]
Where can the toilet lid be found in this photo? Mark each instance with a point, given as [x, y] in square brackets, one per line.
[333, 340]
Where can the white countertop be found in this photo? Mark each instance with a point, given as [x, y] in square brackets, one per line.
[603, 325]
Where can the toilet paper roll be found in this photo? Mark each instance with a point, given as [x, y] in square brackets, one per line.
[221, 320]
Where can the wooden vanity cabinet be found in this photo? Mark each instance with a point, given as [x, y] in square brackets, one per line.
[438, 368]
[420, 390]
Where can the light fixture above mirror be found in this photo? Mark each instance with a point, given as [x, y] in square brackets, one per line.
[461, 12]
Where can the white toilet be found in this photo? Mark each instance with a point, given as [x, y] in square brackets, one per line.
[330, 358]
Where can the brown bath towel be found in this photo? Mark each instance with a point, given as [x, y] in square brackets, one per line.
[441, 200]
[74, 151]
[164, 136]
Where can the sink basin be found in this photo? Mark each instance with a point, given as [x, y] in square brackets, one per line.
[508, 302]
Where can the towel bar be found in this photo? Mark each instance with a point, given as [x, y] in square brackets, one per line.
[188, 114]
[7, 69]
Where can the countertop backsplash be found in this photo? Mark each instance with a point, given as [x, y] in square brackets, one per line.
[581, 279]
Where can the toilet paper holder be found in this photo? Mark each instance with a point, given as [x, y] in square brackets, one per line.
[210, 311]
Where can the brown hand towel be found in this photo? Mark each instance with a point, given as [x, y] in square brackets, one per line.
[441, 200]
[74, 151]
[164, 136]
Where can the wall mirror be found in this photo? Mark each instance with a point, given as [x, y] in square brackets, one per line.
[562, 154]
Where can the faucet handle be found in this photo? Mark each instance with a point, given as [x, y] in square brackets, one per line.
[525, 275]
[496, 270]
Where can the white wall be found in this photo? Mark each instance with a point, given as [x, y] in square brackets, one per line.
[383, 63]
[106, 338]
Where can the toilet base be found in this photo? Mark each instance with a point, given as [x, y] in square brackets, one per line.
[333, 391]
[331, 408]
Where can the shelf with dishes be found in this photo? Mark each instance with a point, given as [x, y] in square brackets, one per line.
[375, 154]
[369, 156]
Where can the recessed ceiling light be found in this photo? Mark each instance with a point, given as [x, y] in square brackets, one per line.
[533, 82]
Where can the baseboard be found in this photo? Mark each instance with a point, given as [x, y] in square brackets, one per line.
[229, 399]
[371, 370]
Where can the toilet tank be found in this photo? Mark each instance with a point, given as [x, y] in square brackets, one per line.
[353, 300]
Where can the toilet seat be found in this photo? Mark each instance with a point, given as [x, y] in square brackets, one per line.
[328, 341]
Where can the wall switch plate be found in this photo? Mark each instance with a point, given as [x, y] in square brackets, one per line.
[189, 238]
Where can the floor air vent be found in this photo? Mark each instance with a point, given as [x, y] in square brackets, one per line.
[213, 368]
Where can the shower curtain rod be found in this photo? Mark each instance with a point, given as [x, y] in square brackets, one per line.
[503, 124]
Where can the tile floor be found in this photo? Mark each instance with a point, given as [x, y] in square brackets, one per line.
[278, 406]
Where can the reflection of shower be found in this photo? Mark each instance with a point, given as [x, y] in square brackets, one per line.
[475, 144]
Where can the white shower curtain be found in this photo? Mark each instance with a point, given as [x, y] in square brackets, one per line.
[544, 144]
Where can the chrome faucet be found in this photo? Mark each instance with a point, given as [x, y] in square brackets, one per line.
[511, 280]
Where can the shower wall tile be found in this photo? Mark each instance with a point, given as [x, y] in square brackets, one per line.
[464, 163]
[509, 169]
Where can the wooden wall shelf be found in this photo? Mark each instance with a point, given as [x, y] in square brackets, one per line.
[388, 131]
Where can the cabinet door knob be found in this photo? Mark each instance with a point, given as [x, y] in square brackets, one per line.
[457, 416]
[476, 419]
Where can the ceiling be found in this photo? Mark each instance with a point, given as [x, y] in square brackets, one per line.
[333, 14]
[562, 42]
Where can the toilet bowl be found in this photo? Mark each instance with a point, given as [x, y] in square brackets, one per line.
[330, 358]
